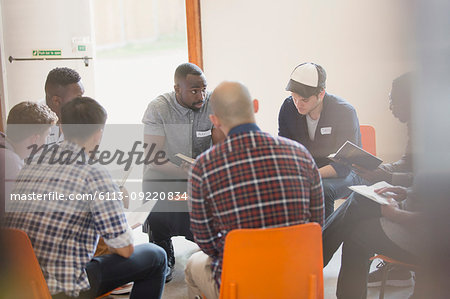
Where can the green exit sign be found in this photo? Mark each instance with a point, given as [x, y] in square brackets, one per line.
[47, 52]
[81, 48]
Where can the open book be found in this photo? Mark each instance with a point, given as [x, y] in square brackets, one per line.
[185, 158]
[350, 153]
[369, 192]
[138, 216]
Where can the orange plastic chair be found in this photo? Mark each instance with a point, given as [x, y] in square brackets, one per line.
[272, 263]
[25, 279]
[368, 139]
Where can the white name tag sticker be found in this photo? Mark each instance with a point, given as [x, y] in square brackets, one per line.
[325, 131]
[203, 133]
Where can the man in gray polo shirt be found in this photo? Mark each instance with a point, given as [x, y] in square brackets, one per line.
[175, 122]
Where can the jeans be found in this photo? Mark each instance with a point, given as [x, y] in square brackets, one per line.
[146, 267]
[341, 223]
[366, 239]
[335, 188]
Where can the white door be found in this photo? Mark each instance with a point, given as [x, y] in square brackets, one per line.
[61, 31]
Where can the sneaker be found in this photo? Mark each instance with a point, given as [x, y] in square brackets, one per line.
[168, 248]
[396, 277]
[125, 289]
[169, 273]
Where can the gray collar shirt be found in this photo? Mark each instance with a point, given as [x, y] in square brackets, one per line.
[186, 131]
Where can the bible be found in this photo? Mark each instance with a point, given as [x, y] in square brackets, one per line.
[185, 158]
[350, 154]
[369, 192]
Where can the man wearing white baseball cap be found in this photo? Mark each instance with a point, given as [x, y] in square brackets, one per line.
[321, 122]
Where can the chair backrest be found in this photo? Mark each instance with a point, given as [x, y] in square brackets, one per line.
[25, 278]
[272, 263]
[368, 140]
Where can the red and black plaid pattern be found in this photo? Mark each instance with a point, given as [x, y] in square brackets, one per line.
[251, 180]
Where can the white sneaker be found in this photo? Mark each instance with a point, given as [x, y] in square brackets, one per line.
[396, 277]
[125, 289]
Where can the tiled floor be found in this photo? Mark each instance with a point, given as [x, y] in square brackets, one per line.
[176, 289]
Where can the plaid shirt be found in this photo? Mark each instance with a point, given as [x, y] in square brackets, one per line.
[251, 180]
[65, 233]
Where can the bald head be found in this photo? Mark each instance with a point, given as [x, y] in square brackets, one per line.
[232, 104]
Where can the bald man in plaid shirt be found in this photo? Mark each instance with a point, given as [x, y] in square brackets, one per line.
[251, 180]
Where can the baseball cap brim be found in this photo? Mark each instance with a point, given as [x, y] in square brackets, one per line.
[303, 90]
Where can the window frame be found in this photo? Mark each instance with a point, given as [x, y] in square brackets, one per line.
[194, 39]
[194, 32]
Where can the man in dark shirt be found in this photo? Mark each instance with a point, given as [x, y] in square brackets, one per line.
[357, 208]
[322, 123]
[399, 172]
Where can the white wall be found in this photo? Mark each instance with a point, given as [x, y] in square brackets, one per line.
[42, 25]
[363, 45]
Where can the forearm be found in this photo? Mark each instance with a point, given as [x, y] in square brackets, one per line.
[327, 171]
[401, 171]
[403, 217]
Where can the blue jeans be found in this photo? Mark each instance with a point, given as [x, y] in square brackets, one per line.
[335, 188]
[146, 267]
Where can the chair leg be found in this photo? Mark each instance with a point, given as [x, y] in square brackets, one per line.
[233, 290]
[312, 287]
[384, 278]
